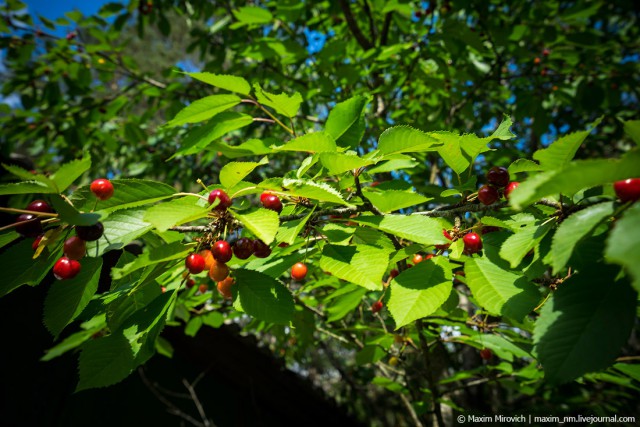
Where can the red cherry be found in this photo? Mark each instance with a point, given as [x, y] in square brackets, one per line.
[195, 263]
[498, 176]
[472, 243]
[243, 248]
[299, 271]
[261, 249]
[488, 195]
[486, 353]
[510, 187]
[225, 201]
[90, 233]
[394, 273]
[102, 188]
[75, 248]
[36, 242]
[221, 251]
[272, 202]
[30, 227]
[546, 52]
[39, 206]
[190, 283]
[203, 288]
[447, 236]
[376, 306]
[66, 268]
[417, 258]
[627, 190]
[72, 35]
[429, 256]
[264, 195]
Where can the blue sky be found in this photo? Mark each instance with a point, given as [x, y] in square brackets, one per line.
[55, 8]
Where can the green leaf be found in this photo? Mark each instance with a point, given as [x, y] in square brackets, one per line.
[343, 302]
[262, 297]
[499, 291]
[128, 193]
[346, 121]
[263, 223]
[105, 361]
[393, 200]
[417, 228]
[252, 147]
[370, 354]
[193, 326]
[316, 142]
[313, 190]
[226, 82]
[252, 15]
[585, 323]
[283, 103]
[67, 298]
[26, 187]
[18, 268]
[359, 264]
[623, 243]
[572, 230]
[632, 128]
[29, 176]
[576, 176]
[516, 247]
[523, 165]
[234, 172]
[175, 212]
[120, 229]
[419, 291]
[71, 342]
[172, 251]
[559, 154]
[70, 214]
[337, 163]
[8, 237]
[405, 139]
[289, 230]
[203, 109]
[201, 137]
[393, 165]
[69, 172]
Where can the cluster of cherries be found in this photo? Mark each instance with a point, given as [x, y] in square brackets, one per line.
[498, 180]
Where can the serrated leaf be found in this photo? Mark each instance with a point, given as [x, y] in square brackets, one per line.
[590, 314]
[26, 187]
[289, 230]
[623, 243]
[234, 172]
[67, 298]
[128, 193]
[346, 121]
[393, 165]
[419, 291]
[263, 223]
[71, 342]
[343, 302]
[316, 142]
[523, 165]
[576, 176]
[499, 291]
[18, 268]
[516, 247]
[203, 109]
[175, 212]
[223, 81]
[120, 229]
[417, 228]
[252, 147]
[70, 214]
[632, 128]
[253, 15]
[30, 176]
[313, 190]
[405, 139]
[283, 103]
[572, 230]
[337, 163]
[559, 153]
[105, 361]
[362, 265]
[262, 297]
[172, 251]
[201, 137]
[8, 237]
[393, 200]
[69, 172]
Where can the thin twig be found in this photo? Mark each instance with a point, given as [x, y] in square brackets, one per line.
[433, 386]
[196, 401]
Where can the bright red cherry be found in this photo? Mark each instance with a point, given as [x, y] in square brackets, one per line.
[486, 353]
[39, 206]
[376, 306]
[498, 176]
[75, 248]
[221, 251]
[488, 195]
[195, 263]
[272, 202]
[510, 187]
[394, 273]
[30, 227]
[627, 190]
[90, 233]
[102, 188]
[299, 271]
[243, 248]
[472, 243]
[261, 249]
[417, 258]
[36, 242]
[264, 195]
[66, 268]
[225, 201]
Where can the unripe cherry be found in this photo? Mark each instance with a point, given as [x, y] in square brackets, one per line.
[224, 287]
[299, 271]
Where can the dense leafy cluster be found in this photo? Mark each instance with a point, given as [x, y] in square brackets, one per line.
[418, 258]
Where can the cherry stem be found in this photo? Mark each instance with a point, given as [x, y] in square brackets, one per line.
[192, 194]
[24, 211]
